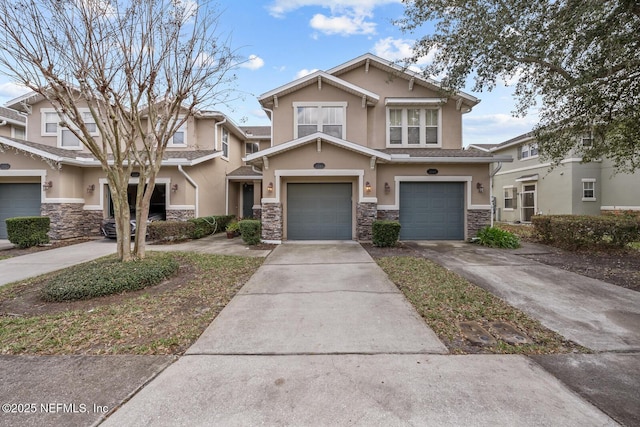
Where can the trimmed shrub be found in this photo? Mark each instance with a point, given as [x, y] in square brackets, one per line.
[222, 221]
[203, 226]
[494, 237]
[250, 230]
[386, 233]
[170, 230]
[581, 231]
[28, 231]
[107, 276]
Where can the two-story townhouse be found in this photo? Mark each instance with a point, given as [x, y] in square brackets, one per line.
[531, 185]
[53, 174]
[369, 139]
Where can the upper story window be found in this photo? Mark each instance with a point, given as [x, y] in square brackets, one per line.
[588, 190]
[587, 139]
[180, 137]
[528, 151]
[327, 118]
[65, 137]
[251, 147]
[225, 143]
[413, 127]
[18, 133]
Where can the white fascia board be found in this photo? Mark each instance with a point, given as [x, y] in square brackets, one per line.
[205, 158]
[415, 101]
[313, 137]
[312, 78]
[398, 159]
[31, 150]
[516, 142]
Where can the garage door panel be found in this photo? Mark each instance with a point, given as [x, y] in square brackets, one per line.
[319, 211]
[18, 200]
[432, 210]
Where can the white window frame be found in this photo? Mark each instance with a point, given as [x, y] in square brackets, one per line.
[249, 143]
[526, 151]
[591, 182]
[59, 129]
[182, 129]
[319, 106]
[587, 136]
[514, 198]
[225, 143]
[14, 132]
[405, 126]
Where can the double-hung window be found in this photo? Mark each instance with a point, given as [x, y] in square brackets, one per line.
[510, 198]
[413, 127]
[251, 147]
[65, 136]
[179, 138]
[18, 133]
[588, 190]
[225, 143]
[327, 118]
[528, 151]
[587, 139]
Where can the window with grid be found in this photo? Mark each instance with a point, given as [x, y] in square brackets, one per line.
[318, 118]
[251, 147]
[413, 127]
[225, 143]
[589, 190]
[510, 198]
[66, 137]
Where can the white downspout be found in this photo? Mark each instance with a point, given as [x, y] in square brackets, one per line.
[192, 182]
[491, 175]
[270, 127]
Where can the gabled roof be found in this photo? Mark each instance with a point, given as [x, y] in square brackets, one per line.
[369, 59]
[315, 137]
[481, 147]
[257, 131]
[319, 77]
[75, 158]
[440, 155]
[514, 141]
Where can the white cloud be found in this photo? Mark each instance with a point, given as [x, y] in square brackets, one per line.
[305, 72]
[253, 63]
[494, 128]
[279, 8]
[10, 90]
[400, 49]
[344, 25]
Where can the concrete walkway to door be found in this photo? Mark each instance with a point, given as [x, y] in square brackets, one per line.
[320, 336]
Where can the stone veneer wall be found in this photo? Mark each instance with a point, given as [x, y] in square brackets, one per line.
[366, 213]
[69, 220]
[272, 221]
[476, 220]
[180, 215]
[257, 213]
[393, 215]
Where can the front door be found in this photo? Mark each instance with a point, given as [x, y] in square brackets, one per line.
[528, 202]
[247, 200]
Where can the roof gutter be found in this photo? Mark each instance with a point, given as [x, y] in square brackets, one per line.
[215, 136]
[270, 127]
[491, 175]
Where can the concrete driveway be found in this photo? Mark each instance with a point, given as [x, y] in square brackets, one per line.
[319, 336]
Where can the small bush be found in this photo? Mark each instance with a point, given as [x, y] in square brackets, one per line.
[494, 237]
[223, 221]
[106, 276]
[386, 233]
[583, 231]
[28, 231]
[250, 230]
[203, 226]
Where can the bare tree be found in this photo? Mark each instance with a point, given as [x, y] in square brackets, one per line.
[143, 67]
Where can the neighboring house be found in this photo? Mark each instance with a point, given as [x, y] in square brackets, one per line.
[531, 186]
[365, 140]
[48, 172]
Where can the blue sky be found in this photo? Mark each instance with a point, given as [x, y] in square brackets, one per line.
[285, 39]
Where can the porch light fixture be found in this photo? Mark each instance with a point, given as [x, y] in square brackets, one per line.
[387, 187]
[174, 187]
[47, 185]
[480, 187]
[367, 187]
[91, 188]
[270, 187]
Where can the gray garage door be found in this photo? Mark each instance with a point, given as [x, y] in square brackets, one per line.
[319, 211]
[432, 210]
[18, 200]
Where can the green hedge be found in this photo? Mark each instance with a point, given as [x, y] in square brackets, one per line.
[28, 231]
[494, 237]
[580, 231]
[250, 230]
[106, 276]
[194, 228]
[386, 233]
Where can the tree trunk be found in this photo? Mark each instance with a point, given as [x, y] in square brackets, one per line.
[122, 219]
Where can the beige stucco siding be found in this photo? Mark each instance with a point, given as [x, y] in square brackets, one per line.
[618, 191]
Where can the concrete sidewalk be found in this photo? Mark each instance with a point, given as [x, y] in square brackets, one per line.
[319, 336]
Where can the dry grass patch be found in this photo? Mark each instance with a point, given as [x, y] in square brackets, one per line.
[162, 319]
[444, 299]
